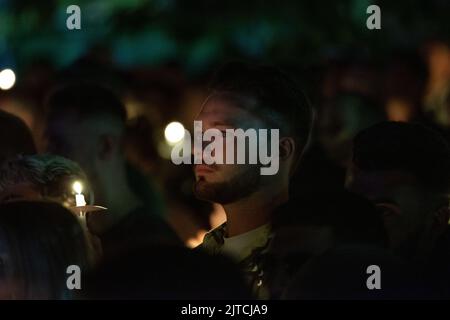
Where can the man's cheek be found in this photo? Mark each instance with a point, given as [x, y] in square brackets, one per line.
[225, 172]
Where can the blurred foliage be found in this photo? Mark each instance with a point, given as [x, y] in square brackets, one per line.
[199, 33]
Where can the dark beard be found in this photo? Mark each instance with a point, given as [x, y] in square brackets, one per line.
[230, 191]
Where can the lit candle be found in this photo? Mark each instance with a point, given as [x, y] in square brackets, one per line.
[79, 197]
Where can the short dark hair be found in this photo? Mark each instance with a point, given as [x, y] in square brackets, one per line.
[85, 100]
[278, 98]
[407, 147]
[48, 173]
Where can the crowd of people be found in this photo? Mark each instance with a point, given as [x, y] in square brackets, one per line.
[358, 185]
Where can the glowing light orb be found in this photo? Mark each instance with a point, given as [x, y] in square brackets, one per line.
[7, 79]
[174, 132]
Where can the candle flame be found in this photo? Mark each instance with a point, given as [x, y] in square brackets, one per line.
[77, 187]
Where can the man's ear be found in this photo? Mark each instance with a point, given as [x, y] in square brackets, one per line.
[108, 145]
[287, 148]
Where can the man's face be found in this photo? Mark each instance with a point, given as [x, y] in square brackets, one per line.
[69, 138]
[226, 183]
[403, 204]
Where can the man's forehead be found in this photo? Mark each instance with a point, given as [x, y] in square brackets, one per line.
[71, 125]
[63, 131]
[63, 121]
[218, 111]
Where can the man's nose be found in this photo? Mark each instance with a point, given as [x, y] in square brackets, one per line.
[197, 146]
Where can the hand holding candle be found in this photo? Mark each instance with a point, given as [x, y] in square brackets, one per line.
[81, 207]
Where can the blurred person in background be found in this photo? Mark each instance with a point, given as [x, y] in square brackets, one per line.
[340, 119]
[46, 176]
[86, 123]
[403, 87]
[38, 242]
[341, 274]
[142, 154]
[351, 71]
[49, 178]
[437, 107]
[158, 96]
[404, 168]
[311, 225]
[244, 96]
[15, 137]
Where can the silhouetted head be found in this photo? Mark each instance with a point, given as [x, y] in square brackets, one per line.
[319, 221]
[404, 168]
[309, 225]
[15, 137]
[39, 241]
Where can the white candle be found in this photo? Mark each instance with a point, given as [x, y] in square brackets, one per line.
[79, 200]
[79, 197]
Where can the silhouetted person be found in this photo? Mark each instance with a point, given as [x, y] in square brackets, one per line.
[15, 137]
[404, 169]
[45, 177]
[251, 97]
[39, 241]
[311, 225]
[165, 273]
[352, 272]
[86, 123]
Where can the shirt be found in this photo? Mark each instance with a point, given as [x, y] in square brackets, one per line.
[241, 246]
[248, 250]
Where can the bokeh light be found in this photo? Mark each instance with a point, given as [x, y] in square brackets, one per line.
[174, 132]
[7, 79]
